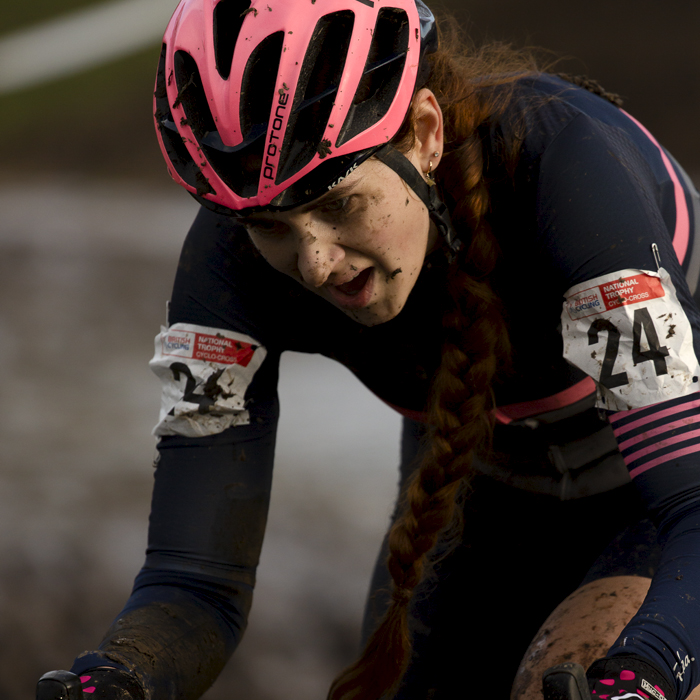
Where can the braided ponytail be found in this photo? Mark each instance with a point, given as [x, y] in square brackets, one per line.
[475, 347]
[458, 426]
[592, 86]
[472, 89]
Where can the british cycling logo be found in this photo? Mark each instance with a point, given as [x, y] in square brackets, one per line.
[178, 344]
[587, 302]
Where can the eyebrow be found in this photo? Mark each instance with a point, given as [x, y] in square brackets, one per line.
[338, 192]
[341, 190]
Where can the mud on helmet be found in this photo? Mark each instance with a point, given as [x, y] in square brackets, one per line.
[270, 103]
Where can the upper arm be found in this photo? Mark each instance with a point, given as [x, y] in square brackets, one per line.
[631, 326]
[218, 357]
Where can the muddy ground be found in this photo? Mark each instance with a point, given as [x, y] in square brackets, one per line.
[84, 274]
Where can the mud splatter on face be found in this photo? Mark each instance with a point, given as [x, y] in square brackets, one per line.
[374, 231]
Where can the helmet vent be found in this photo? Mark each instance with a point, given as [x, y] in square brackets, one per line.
[190, 94]
[259, 80]
[228, 20]
[178, 155]
[316, 91]
[381, 76]
[238, 166]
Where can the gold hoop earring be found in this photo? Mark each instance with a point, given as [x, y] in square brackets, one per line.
[429, 175]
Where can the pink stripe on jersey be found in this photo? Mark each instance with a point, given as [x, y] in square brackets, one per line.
[634, 456]
[681, 235]
[651, 417]
[664, 458]
[517, 411]
[667, 427]
[619, 415]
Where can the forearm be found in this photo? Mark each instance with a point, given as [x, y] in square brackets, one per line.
[190, 602]
[175, 648]
[666, 629]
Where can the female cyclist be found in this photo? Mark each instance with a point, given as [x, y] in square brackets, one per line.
[497, 252]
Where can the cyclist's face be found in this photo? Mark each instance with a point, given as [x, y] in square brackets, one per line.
[361, 246]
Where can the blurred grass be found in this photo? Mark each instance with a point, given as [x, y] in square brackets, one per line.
[15, 15]
[96, 123]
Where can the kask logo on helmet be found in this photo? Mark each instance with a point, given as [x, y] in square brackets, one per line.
[272, 153]
[353, 167]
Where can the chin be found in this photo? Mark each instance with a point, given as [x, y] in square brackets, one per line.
[374, 315]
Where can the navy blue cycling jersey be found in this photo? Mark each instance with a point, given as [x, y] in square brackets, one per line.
[594, 213]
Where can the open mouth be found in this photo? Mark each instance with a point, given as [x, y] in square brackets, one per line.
[355, 286]
[356, 293]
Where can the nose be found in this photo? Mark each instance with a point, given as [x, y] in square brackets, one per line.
[318, 254]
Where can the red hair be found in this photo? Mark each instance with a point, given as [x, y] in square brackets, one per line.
[475, 348]
[473, 88]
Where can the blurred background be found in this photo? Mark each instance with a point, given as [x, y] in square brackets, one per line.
[90, 228]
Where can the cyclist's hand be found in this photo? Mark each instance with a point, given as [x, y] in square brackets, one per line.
[94, 684]
[620, 675]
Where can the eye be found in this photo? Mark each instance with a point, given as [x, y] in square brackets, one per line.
[336, 206]
[261, 225]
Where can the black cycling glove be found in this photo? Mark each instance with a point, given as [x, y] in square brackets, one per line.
[626, 677]
[93, 684]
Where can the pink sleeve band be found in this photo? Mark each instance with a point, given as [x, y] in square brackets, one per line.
[652, 417]
[660, 444]
[660, 430]
[663, 459]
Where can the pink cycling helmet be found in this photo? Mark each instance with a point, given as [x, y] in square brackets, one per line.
[269, 103]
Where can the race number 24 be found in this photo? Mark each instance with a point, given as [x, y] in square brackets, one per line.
[656, 353]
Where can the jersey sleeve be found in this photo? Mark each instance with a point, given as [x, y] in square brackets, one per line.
[218, 361]
[607, 222]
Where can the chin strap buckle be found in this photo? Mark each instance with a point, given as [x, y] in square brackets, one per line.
[440, 215]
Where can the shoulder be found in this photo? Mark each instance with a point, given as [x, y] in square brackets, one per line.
[550, 113]
[544, 109]
[218, 241]
[223, 282]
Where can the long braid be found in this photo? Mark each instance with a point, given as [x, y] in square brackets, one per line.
[472, 88]
[593, 86]
[475, 347]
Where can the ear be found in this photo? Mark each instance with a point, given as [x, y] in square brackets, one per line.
[428, 128]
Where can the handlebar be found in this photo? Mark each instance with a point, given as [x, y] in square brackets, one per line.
[565, 682]
[59, 685]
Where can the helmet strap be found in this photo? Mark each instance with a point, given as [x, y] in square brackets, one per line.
[427, 193]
